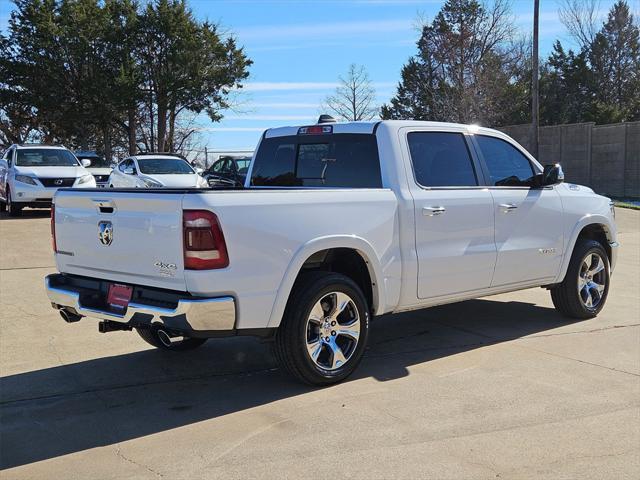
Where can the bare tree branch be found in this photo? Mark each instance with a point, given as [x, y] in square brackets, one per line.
[354, 98]
[580, 18]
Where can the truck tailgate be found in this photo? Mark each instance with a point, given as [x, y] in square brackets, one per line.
[128, 237]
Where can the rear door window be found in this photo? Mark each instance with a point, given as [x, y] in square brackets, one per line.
[336, 160]
[441, 159]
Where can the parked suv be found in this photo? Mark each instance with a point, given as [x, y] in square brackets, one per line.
[335, 224]
[31, 174]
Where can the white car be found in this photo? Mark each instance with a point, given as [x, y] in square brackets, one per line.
[31, 174]
[98, 166]
[336, 224]
[155, 171]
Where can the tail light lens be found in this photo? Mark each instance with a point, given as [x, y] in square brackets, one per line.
[204, 245]
[53, 228]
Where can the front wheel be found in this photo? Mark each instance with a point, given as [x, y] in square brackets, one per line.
[163, 340]
[324, 330]
[583, 292]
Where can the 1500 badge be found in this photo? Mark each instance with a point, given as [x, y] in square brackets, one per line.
[166, 269]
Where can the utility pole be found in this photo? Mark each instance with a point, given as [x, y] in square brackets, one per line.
[534, 83]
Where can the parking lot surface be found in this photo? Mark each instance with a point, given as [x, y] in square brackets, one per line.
[501, 387]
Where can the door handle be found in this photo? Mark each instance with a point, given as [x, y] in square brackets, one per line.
[433, 211]
[508, 207]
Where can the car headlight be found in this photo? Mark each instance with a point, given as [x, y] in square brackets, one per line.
[149, 183]
[26, 179]
[85, 179]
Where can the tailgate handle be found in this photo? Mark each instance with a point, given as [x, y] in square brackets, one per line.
[104, 206]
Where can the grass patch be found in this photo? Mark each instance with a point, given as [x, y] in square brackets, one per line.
[632, 206]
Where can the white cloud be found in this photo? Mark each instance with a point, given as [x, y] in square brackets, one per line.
[277, 105]
[268, 117]
[323, 30]
[232, 129]
[270, 86]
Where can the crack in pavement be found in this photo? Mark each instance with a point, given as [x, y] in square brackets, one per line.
[8, 269]
[119, 454]
[369, 355]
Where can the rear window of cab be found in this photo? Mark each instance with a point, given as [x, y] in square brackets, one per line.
[335, 160]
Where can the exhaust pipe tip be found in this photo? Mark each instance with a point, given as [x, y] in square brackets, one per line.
[69, 317]
[164, 337]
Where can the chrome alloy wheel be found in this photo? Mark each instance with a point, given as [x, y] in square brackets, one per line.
[592, 279]
[333, 330]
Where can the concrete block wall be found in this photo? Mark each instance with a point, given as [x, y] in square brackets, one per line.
[603, 157]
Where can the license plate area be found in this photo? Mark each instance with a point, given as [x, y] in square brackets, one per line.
[119, 296]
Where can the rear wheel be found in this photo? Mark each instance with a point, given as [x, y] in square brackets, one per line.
[13, 208]
[583, 292]
[324, 330]
[164, 340]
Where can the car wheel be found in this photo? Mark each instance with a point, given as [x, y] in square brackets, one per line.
[14, 209]
[583, 292]
[325, 328]
[163, 340]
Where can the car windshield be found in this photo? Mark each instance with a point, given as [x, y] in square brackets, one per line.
[96, 162]
[45, 157]
[164, 166]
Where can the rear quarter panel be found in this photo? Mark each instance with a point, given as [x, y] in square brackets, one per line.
[270, 233]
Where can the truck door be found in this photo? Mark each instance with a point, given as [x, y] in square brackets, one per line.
[454, 221]
[529, 233]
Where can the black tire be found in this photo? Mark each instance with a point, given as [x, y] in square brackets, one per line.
[292, 335]
[567, 296]
[150, 335]
[14, 209]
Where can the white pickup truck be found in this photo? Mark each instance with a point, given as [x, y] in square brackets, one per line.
[336, 224]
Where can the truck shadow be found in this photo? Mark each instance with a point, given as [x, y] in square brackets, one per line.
[69, 408]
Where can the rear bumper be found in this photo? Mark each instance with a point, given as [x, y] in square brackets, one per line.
[191, 315]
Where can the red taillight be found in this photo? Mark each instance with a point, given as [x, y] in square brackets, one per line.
[53, 228]
[204, 246]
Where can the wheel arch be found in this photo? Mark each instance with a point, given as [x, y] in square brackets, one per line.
[594, 227]
[362, 265]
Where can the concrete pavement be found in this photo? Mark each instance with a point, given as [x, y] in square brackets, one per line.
[501, 387]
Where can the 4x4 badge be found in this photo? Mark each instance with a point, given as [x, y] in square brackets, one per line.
[105, 233]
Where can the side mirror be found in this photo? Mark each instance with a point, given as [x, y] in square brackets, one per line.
[552, 175]
[129, 171]
[86, 163]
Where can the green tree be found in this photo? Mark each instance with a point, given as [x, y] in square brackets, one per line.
[600, 83]
[186, 66]
[565, 90]
[466, 69]
[103, 72]
[614, 57]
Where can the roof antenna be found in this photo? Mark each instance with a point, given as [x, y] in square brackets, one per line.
[324, 118]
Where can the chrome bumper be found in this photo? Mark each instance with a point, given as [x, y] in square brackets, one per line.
[191, 314]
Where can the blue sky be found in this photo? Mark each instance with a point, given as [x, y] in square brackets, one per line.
[300, 47]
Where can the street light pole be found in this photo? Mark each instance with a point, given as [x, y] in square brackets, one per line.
[534, 83]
